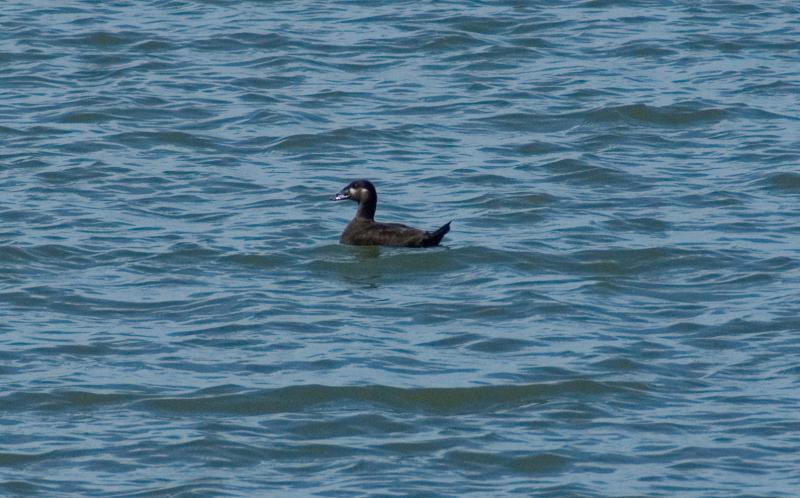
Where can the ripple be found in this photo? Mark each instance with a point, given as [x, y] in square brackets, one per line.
[540, 463]
[787, 182]
[441, 401]
[172, 138]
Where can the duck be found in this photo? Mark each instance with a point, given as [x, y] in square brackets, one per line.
[363, 230]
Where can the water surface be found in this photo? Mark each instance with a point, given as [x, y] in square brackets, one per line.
[615, 312]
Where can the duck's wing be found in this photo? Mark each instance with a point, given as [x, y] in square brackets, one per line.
[396, 234]
[389, 234]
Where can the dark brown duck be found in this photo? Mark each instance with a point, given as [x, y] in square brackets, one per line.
[363, 230]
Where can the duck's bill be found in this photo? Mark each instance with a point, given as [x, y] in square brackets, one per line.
[341, 196]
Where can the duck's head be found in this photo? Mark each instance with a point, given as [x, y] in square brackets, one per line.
[359, 191]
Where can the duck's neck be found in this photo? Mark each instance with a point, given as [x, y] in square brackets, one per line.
[366, 209]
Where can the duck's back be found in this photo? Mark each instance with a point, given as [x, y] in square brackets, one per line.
[371, 233]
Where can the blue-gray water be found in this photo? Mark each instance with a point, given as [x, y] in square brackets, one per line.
[616, 311]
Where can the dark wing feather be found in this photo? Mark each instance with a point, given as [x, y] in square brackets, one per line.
[390, 234]
[433, 238]
[372, 233]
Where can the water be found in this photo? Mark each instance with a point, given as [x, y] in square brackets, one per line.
[615, 312]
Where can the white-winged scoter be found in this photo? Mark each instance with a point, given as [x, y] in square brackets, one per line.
[363, 230]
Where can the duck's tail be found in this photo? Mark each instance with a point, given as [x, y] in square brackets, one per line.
[433, 238]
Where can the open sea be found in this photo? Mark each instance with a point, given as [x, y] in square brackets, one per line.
[615, 313]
